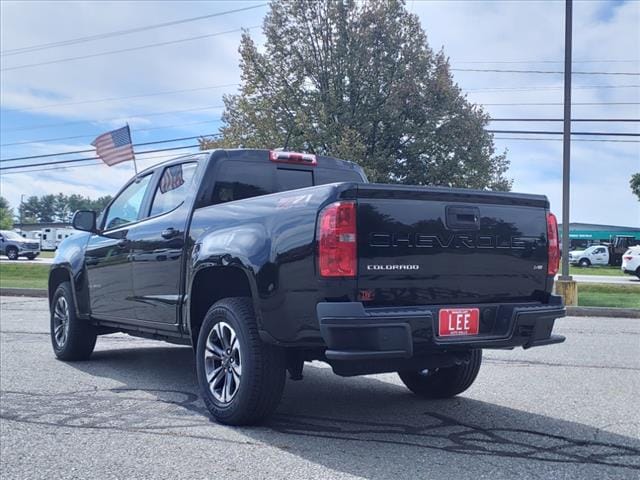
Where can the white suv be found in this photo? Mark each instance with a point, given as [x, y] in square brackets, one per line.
[631, 261]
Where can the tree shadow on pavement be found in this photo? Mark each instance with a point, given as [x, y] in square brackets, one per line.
[363, 426]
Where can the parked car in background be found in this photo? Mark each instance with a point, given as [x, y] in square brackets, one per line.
[594, 255]
[14, 246]
[631, 262]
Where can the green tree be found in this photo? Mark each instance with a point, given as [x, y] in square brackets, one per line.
[100, 203]
[58, 208]
[29, 209]
[635, 184]
[61, 207]
[48, 209]
[6, 215]
[358, 80]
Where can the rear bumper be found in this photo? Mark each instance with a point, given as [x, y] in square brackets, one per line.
[353, 333]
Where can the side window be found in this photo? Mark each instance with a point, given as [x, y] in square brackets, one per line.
[126, 207]
[237, 180]
[173, 187]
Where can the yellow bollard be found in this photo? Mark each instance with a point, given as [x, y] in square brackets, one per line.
[569, 291]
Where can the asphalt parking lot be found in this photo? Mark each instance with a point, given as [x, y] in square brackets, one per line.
[563, 411]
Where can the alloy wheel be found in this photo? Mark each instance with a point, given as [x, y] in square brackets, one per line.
[61, 321]
[223, 362]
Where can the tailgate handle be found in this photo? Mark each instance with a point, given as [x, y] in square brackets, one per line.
[463, 218]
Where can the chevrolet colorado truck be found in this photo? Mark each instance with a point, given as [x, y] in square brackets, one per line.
[263, 260]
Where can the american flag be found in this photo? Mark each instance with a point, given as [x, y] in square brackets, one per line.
[171, 179]
[114, 147]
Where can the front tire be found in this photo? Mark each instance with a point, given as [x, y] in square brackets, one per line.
[443, 382]
[71, 338]
[241, 379]
[584, 263]
[12, 253]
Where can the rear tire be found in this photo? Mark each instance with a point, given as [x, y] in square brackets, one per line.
[443, 382]
[638, 272]
[31, 257]
[71, 338]
[12, 253]
[584, 263]
[241, 378]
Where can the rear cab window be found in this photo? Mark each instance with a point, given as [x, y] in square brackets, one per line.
[247, 176]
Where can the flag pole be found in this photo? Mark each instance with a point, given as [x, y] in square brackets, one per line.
[135, 165]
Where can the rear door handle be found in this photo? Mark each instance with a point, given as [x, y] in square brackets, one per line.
[169, 233]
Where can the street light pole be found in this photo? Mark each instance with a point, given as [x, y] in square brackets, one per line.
[566, 140]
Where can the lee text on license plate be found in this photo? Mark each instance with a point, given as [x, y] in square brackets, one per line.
[458, 321]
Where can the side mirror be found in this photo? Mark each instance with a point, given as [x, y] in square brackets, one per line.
[85, 220]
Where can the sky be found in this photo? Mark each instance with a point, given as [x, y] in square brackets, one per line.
[47, 106]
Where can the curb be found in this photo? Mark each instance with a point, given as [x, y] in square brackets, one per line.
[23, 292]
[603, 312]
[571, 311]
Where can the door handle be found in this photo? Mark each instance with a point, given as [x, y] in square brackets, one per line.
[123, 242]
[169, 233]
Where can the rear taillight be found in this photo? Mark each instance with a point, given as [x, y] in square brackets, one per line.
[627, 258]
[337, 250]
[553, 250]
[293, 157]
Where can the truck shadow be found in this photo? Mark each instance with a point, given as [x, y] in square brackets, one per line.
[364, 426]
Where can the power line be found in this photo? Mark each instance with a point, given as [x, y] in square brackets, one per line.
[595, 120]
[172, 140]
[111, 99]
[530, 89]
[93, 135]
[100, 36]
[210, 87]
[543, 61]
[76, 160]
[94, 163]
[557, 103]
[539, 132]
[130, 49]
[573, 139]
[555, 72]
[58, 162]
[141, 115]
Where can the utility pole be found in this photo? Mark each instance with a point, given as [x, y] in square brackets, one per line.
[20, 209]
[566, 286]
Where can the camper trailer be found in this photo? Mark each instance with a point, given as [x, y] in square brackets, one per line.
[51, 237]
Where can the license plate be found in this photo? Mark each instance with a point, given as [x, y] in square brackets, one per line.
[458, 321]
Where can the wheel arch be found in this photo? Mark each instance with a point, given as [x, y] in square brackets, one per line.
[211, 284]
[57, 276]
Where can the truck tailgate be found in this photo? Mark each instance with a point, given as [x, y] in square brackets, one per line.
[437, 246]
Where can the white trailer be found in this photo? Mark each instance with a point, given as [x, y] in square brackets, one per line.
[51, 237]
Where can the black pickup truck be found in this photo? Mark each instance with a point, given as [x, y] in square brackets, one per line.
[263, 260]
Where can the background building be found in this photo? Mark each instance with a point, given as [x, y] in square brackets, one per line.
[585, 234]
